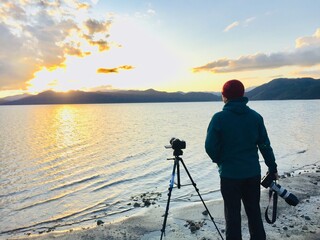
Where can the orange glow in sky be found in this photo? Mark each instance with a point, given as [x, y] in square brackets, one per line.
[99, 45]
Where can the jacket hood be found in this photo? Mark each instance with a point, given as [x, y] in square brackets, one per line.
[238, 106]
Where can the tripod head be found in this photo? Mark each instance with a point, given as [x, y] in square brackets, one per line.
[177, 145]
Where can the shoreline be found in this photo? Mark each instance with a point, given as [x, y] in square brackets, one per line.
[190, 222]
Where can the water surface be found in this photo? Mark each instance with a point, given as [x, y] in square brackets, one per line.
[64, 166]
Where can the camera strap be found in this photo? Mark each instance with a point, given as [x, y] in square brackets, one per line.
[272, 195]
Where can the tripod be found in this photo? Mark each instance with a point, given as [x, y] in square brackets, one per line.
[176, 167]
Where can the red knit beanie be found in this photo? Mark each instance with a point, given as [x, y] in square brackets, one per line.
[233, 89]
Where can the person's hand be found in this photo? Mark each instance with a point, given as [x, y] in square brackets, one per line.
[275, 175]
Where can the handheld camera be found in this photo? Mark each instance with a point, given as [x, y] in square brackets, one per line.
[269, 181]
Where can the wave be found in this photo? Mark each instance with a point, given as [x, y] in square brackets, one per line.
[10, 194]
[84, 215]
[74, 183]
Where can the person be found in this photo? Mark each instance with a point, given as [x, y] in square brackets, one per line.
[233, 138]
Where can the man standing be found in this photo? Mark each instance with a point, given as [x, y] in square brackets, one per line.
[234, 136]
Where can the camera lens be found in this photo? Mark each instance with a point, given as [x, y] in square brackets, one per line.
[285, 194]
[292, 200]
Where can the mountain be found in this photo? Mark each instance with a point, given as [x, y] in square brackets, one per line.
[13, 98]
[277, 89]
[131, 96]
[287, 88]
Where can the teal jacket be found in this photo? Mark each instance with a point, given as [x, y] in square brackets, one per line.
[234, 136]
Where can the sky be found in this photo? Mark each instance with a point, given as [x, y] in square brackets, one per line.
[167, 45]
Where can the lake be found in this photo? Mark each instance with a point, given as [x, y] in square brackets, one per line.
[65, 166]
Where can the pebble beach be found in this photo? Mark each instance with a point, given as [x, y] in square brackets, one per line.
[192, 221]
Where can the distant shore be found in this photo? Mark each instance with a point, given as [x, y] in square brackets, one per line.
[276, 89]
[190, 222]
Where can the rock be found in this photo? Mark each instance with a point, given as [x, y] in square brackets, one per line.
[302, 151]
[198, 226]
[305, 228]
[194, 226]
[193, 229]
[50, 229]
[205, 213]
[307, 218]
[100, 222]
[147, 203]
[145, 199]
[287, 174]
[136, 204]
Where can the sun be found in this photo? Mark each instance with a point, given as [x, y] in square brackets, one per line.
[74, 74]
[135, 60]
[50, 79]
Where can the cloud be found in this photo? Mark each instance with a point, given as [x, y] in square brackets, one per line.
[95, 26]
[306, 53]
[73, 51]
[315, 72]
[126, 67]
[37, 34]
[102, 44]
[249, 20]
[309, 41]
[235, 24]
[148, 13]
[107, 70]
[231, 26]
[114, 70]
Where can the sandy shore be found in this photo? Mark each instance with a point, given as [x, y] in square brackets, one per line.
[189, 222]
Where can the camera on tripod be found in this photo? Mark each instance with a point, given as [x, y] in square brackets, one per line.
[268, 181]
[177, 144]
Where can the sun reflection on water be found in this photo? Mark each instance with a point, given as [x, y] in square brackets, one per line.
[67, 125]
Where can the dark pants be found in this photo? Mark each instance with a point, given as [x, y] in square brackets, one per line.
[247, 190]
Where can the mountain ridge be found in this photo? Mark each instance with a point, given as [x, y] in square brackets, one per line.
[130, 96]
[277, 89]
[287, 89]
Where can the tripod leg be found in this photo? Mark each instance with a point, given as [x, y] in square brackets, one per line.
[176, 161]
[178, 174]
[197, 190]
